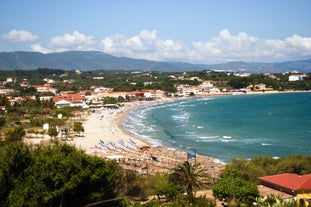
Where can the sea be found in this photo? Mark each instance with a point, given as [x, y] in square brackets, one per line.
[226, 127]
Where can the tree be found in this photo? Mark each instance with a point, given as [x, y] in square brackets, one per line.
[2, 121]
[275, 201]
[60, 175]
[232, 185]
[110, 100]
[15, 135]
[190, 176]
[170, 190]
[52, 132]
[121, 99]
[267, 165]
[134, 185]
[78, 127]
[15, 158]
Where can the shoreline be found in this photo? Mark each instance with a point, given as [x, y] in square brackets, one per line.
[105, 137]
[141, 157]
[213, 166]
[181, 99]
[106, 125]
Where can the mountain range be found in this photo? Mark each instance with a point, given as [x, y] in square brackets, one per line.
[92, 60]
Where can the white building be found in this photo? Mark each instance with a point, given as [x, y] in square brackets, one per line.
[297, 77]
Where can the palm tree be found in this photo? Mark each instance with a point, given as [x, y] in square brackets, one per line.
[190, 176]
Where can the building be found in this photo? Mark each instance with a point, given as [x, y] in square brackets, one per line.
[45, 88]
[186, 90]
[287, 186]
[69, 99]
[297, 77]
[11, 79]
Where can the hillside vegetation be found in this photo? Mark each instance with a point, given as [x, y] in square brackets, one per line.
[92, 60]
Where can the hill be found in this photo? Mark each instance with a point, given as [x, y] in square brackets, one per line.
[92, 60]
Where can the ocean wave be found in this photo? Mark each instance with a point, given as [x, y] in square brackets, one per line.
[219, 161]
[206, 99]
[265, 144]
[227, 140]
[180, 117]
[128, 126]
[153, 142]
[200, 127]
[208, 137]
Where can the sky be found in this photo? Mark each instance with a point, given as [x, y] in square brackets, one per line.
[195, 31]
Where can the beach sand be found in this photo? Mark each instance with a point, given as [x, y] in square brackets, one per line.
[105, 137]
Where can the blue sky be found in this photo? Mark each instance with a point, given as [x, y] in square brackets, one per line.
[197, 31]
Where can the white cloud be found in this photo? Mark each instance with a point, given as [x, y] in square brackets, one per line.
[76, 40]
[227, 47]
[20, 36]
[68, 42]
[222, 48]
[146, 45]
[39, 48]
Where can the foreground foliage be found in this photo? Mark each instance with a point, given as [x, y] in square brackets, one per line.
[266, 165]
[190, 176]
[275, 201]
[233, 185]
[55, 175]
[180, 201]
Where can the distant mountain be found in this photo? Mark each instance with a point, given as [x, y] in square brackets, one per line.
[303, 66]
[91, 60]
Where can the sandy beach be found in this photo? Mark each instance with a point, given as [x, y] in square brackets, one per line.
[105, 137]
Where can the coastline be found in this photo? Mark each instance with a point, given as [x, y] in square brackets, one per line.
[153, 135]
[105, 137]
[106, 125]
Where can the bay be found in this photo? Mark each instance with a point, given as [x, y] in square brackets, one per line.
[228, 127]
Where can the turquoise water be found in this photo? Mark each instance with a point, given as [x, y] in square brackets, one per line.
[229, 126]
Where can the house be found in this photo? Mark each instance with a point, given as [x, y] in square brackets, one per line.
[150, 94]
[98, 78]
[102, 89]
[186, 90]
[242, 74]
[272, 76]
[45, 88]
[2, 108]
[69, 99]
[260, 87]
[195, 79]
[159, 94]
[208, 87]
[11, 79]
[297, 77]
[287, 185]
[49, 81]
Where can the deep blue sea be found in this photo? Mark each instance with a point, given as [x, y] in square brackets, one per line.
[228, 126]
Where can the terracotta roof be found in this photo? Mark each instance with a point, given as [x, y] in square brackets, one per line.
[266, 191]
[69, 97]
[290, 181]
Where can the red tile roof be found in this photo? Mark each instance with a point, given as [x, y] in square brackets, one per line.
[266, 191]
[291, 181]
[69, 97]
